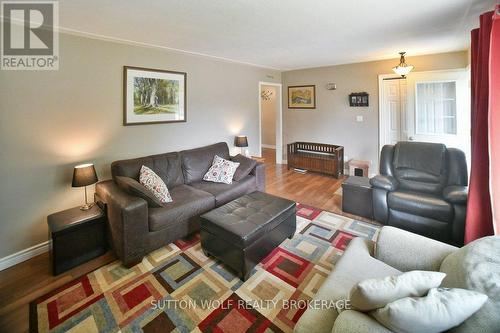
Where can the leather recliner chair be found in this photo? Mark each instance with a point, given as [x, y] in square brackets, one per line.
[422, 187]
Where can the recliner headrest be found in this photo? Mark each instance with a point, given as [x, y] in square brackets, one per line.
[422, 156]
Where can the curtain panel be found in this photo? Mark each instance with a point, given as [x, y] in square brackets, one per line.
[494, 114]
[479, 221]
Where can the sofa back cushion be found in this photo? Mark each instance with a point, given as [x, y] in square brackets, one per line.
[476, 266]
[133, 187]
[166, 166]
[196, 162]
[420, 166]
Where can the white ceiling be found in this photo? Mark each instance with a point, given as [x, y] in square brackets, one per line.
[286, 34]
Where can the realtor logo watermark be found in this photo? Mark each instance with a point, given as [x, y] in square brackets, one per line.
[29, 39]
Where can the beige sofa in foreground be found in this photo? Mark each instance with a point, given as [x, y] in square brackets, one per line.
[475, 266]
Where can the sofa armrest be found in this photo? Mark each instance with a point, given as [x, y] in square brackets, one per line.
[407, 251]
[456, 194]
[128, 221]
[387, 183]
[259, 171]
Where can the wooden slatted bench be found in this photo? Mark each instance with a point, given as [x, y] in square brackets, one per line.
[317, 157]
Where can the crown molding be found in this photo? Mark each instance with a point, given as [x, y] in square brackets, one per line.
[154, 46]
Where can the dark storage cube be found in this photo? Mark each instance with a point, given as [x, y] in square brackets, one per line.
[77, 236]
[357, 197]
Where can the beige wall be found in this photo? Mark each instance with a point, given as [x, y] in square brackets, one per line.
[50, 121]
[269, 109]
[333, 121]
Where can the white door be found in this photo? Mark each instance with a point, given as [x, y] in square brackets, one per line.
[439, 108]
[394, 107]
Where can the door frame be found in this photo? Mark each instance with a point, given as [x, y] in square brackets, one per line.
[382, 112]
[279, 120]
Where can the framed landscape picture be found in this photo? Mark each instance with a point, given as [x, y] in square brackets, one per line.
[153, 96]
[302, 97]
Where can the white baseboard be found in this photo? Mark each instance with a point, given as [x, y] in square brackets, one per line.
[268, 146]
[24, 255]
[284, 161]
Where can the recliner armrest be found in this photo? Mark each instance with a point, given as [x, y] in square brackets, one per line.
[387, 183]
[456, 194]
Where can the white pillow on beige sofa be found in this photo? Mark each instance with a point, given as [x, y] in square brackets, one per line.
[372, 294]
[439, 311]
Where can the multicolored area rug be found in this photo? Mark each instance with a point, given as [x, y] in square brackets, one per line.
[178, 289]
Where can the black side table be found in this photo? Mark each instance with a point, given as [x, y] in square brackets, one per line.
[77, 236]
[357, 196]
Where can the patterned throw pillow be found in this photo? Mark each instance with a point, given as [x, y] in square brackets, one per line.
[221, 171]
[150, 180]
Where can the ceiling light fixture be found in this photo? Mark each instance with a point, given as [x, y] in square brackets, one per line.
[403, 68]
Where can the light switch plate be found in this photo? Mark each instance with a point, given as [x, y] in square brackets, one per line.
[359, 118]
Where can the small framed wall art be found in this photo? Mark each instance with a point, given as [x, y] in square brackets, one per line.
[358, 99]
[153, 96]
[302, 97]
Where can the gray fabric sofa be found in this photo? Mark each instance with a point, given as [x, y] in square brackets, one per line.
[137, 229]
[475, 266]
[422, 188]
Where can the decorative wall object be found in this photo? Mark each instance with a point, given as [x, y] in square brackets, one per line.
[331, 86]
[153, 96]
[266, 95]
[302, 97]
[358, 99]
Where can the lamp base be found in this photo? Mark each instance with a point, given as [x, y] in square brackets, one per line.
[87, 206]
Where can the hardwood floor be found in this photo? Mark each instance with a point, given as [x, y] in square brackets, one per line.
[33, 278]
[309, 188]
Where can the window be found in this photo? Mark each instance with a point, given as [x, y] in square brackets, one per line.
[436, 108]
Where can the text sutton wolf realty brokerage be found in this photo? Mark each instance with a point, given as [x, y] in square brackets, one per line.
[30, 40]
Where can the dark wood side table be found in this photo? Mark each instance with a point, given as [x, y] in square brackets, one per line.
[357, 196]
[77, 236]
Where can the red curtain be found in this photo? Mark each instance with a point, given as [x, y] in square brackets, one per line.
[479, 221]
[494, 113]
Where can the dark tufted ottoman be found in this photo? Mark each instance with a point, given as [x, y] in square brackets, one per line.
[242, 232]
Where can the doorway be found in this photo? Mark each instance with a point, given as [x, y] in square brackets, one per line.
[270, 119]
[393, 122]
[428, 107]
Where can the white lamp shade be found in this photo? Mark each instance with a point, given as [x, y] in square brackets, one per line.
[402, 70]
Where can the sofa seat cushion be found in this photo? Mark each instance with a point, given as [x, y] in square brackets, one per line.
[187, 202]
[351, 321]
[355, 265]
[476, 266]
[421, 204]
[227, 192]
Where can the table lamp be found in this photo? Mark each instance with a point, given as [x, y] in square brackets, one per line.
[241, 141]
[83, 176]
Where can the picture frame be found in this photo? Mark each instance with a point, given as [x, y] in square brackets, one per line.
[358, 99]
[153, 96]
[302, 97]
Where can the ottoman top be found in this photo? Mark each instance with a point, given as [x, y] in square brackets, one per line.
[246, 219]
[357, 181]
